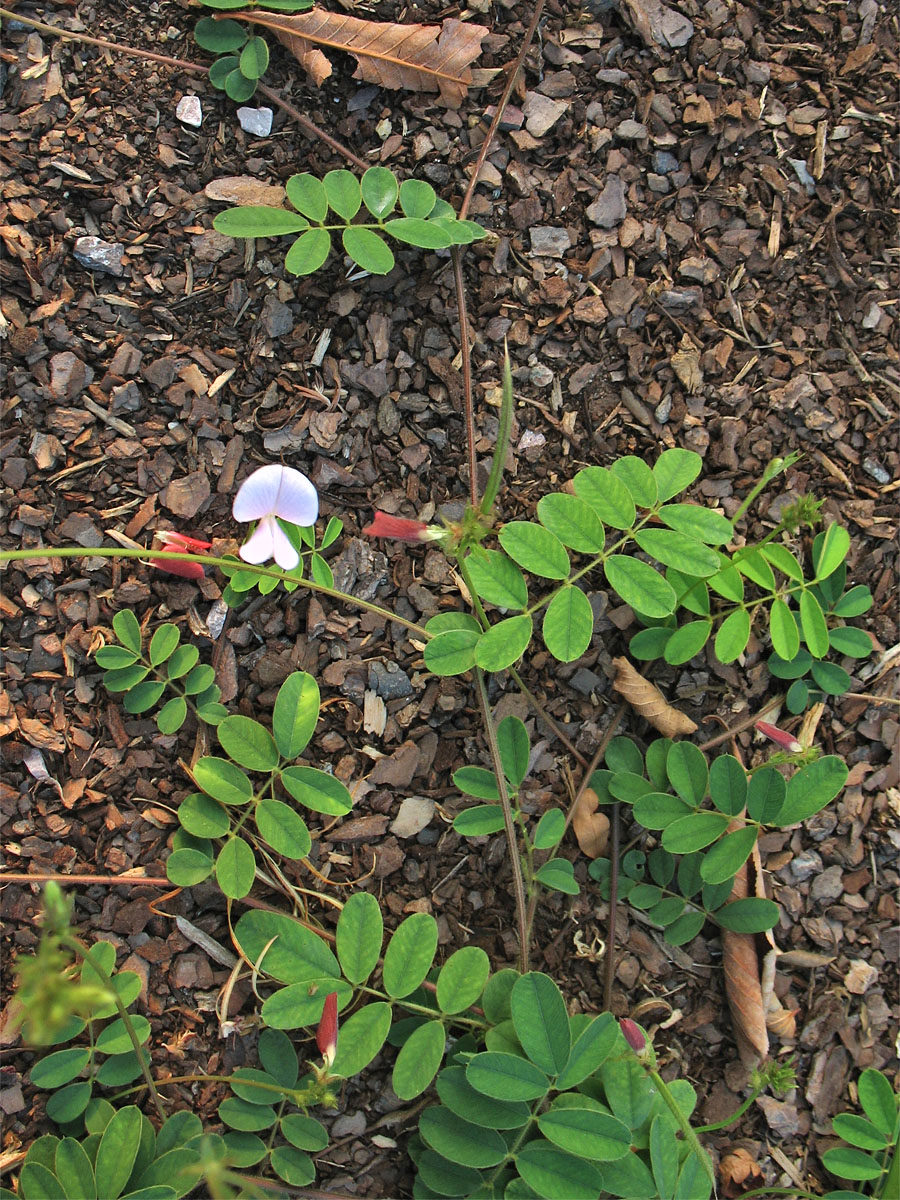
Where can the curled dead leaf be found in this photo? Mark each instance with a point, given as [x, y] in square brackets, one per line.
[743, 984]
[739, 1171]
[782, 1022]
[421, 58]
[591, 828]
[647, 700]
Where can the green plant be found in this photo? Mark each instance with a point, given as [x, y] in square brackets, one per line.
[691, 806]
[426, 221]
[242, 57]
[141, 679]
[303, 538]
[872, 1155]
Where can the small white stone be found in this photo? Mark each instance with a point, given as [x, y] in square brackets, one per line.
[257, 121]
[189, 111]
[415, 813]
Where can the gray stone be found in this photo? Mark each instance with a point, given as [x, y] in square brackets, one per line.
[551, 240]
[805, 864]
[586, 682]
[657, 183]
[277, 318]
[609, 208]
[349, 1125]
[664, 162]
[630, 130]
[828, 885]
[876, 471]
[189, 111]
[257, 121]
[389, 681]
[414, 814]
[542, 113]
[97, 255]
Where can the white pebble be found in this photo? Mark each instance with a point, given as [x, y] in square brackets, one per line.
[189, 111]
[257, 121]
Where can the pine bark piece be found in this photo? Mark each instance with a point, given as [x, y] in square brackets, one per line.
[648, 701]
[421, 58]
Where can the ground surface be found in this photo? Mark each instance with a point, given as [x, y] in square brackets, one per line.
[721, 276]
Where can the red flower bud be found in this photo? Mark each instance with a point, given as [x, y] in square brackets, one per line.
[633, 1034]
[182, 544]
[786, 741]
[327, 1033]
[402, 529]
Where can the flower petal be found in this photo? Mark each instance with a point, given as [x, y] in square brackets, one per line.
[402, 529]
[780, 737]
[258, 494]
[187, 570]
[282, 550]
[297, 500]
[260, 546]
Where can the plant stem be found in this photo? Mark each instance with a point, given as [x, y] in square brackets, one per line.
[87, 880]
[465, 358]
[684, 1124]
[84, 953]
[736, 1115]
[746, 723]
[609, 964]
[208, 560]
[508, 823]
[184, 65]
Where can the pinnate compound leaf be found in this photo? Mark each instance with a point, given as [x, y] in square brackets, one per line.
[221, 69]
[459, 1140]
[638, 479]
[409, 955]
[675, 549]
[693, 832]
[308, 252]
[235, 868]
[292, 1165]
[361, 1038]
[462, 979]
[783, 630]
[477, 781]
[607, 495]
[812, 622]
[559, 875]
[851, 1164]
[728, 583]
[254, 58]
[425, 58]
[568, 624]
[247, 743]
[301, 1004]
[782, 560]
[418, 1060]
[368, 250]
[811, 788]
[258, 220]
[283, 828]
[831, 678]
[359, 934]
[75, 1169]
[859, 1132]
[452, 652]
[284, 949]
[686, 642]
[417, 198]
[687, 771]
[586, 1132]
[535, 548]
[343, 192]
[541, 1021]
[751, 915]
[640, 585]
[497, 579]
[727, 856]
[765, 795]
[172, 715]
[219, 36]
[504, 643]
[127, 630]
[854, 603]
[187, 867]
[307, 194]
[830, 549]
[318, 790]
[728, 784]
[117, 1151]
[415, 231]
[380, 191]
[846, 639]
[591, 1048]
[573, 521]
[506, 1076]
[733, 636]
[457, 1094]
[674, 470]
[878, 1100]
[648, 701]
[295, 714]
[649, 644]
[59, 1068]
[555, 1174]
[515, 749]
[699, 523]
[550, 828]
[164, 643]
[445, 1178]
[479, 821]
[143, 697]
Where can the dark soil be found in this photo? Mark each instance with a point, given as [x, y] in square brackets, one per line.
[721, 275]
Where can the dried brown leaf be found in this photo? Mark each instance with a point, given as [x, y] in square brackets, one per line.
[738, 1171]
[743, 986]
[686, 364]
[422, 58]
[591, 828]
[647, 700]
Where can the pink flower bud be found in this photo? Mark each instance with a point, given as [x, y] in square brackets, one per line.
[182, 544]
[327, 1034]
[402, 529]
[786, 741]
[633, 1034]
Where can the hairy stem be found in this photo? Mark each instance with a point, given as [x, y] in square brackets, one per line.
[508, 823]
